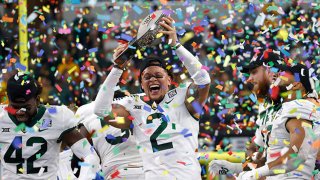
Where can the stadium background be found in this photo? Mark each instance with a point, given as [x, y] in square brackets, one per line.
[70, 45]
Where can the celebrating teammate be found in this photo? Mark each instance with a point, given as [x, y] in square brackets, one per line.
[32, 133]
[261, 77]
[120, 158]
[290, 152]
[164, 122]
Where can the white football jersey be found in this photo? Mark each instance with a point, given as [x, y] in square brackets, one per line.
[167, 135]
[264, 123]
[117, 148]
[32, 152]
[279, 139]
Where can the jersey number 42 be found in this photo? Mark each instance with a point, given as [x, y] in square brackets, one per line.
[16, 149]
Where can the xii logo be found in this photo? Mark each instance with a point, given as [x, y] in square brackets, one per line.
[5, 129]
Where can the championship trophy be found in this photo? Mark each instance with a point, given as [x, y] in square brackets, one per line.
[146, 37]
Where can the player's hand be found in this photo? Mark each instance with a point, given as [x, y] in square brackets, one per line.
[171, 33]
[223, 167]
[117, 52]
[247, 175]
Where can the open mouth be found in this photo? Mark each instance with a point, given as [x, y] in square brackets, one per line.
[154, 89]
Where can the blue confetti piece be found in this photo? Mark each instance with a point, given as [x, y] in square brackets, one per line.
[181, 32]
[83, 164]
[204, 23]
[160, 109]
[274, 69]
[17, 142]
[124, 139]
[102, 29]
[109, 136]
[52, 110]
[221, 53]
[75, 2]
[179, 13]
[40, 53]
[93, 50]
[137, 9]
[126, 37]
[178, 24]
[197, 107]
[253, 98]
[131, 126]
[20, 66]
[146, 108]
[187, 135]
[286, 53]
[24, 20]
[297, 77]
[81, 84]
[184, 131]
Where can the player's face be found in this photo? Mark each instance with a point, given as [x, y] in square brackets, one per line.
[155, 82]
[260, 80]
[24, 110]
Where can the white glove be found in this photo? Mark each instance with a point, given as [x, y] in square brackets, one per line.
[255, 173]
[223, 167]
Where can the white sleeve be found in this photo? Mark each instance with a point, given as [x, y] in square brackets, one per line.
[69, 121]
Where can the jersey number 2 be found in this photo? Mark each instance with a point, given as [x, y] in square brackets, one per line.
[153, 138]
[15, 146]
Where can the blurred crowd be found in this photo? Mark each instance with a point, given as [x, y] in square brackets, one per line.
[70, 60]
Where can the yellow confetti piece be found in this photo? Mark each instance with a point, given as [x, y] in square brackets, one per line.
[304, 124]
[284, 78]
[300, 168]
[72, 69]
[21, 170]
[120, 120]
[218, 59]
[293, 110]
[279, 171]
[226, 61]
[110, 24]
[299, 116]
[175, 105]
[104, 128]
[159, 35]
[139, 54]
[165, 172]
[46, 9]
[286, 142]
[190, 99]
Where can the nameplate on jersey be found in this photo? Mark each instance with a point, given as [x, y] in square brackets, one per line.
[172, 93]
[46, 123]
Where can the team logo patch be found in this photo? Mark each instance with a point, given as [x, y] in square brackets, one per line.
[172, 93]
[45, 124]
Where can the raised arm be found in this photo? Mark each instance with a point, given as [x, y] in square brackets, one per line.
[198, 91]
[114, 114]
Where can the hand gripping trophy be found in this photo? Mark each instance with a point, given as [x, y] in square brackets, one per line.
[146, 37]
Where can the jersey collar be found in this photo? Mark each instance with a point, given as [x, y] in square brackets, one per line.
[35, 119]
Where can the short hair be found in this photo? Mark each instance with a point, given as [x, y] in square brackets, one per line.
[22, 87]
